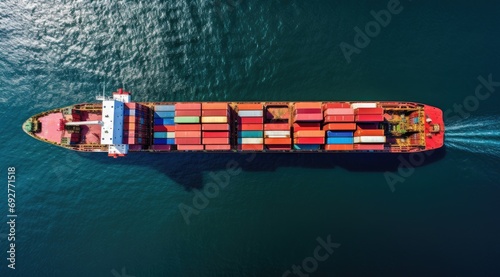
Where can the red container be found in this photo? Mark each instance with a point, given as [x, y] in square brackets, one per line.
[339, 111]
[218, 147]
[215, 140]
[307, 105]
[187, 106]
[369, 133]
[275, 147]
[215, 134]
[250, 147]
[276, 126]
[378, 111]
[308, 117]
[340, 126]
[369, 118]
[306, 126]
[339, 118]
[336, 105]
[214, 113]
[307, 110]
[215, 106]
[187, 134]
[310, 133]
[339, 147]
[188, 140]
[247, 106]
[188, 113]
[164, 128]
[309, 140]
[215, 127]
[190, 147]
[161, 147]
[369, 146]
[187, 127]
[250, 127]
[278, 141]
[250, 120]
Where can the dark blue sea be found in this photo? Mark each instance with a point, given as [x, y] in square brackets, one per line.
[269, 214]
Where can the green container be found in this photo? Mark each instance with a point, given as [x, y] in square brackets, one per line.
[187, 119]
[250, 134]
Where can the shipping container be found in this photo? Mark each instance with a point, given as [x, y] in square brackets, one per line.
[339, 134]
[309, 140]
[378, 132]
[249, 106]
[339, 147]
[250, 120]
[306, 146]
[186, 140]
[187, 127]
[339, 111]
[250, 140]
[306, 126]
[278, 147]
[251, 147]
[308, 117]
[250, 113]
[336, 105]
[215, 134]
[277, 134]
[214, 119]
[339, 118]
[278, 141]
[164, 114]
[214, 113]
[340, 126]
[187, 106]
[368, 146]
[188, 113]
[164, 128]
[214, 106]
[215, 127]
[161, 147]
[166, 121]
[250, 134]
[369, 118]
[363, 105]
[310, 133]
[218, 147]
[164, 108]
[369, 111]
[194, 147]
[369, 139]
[188, 134]
[215, 141]
[340, 140]
[164, 141]
[187, 119]
[276, 126]
[307, 105]
[250, 127]
[307, 110]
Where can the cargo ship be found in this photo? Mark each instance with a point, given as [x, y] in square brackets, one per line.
[117, 126]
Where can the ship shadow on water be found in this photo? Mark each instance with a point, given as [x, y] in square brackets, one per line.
[189, 169]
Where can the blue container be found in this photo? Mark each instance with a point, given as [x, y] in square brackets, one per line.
[168, 121]
[339, 140]
[165, 108]
[164, 114]
[158, 121]
[339, 134]
[160, 135]
[163, 141]
[129, 112]
[250, 134]
[306, 146]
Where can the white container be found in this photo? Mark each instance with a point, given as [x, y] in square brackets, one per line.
[252, 141]
[369, 139]
[170, 134]
[363, 105]
[277, 134]
[250, 113]
[214, 119]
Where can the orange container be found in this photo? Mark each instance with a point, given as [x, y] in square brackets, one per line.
[215, 127]
[250, 147]
[214, 113]
[188, 141]
[336, 105]
[188, 113]
[307, 105]
[187, 127]
[215, 140]
[310, 133]
[277, 141]
[214, 106]
[218, 147]
[340, 126]
[187, 134]
[276, 126]
[187, 106]
[250, 127]
[190, 147]
[369, 133]
[339, 118]
[339, 147]
[247, 106]
[306, 126]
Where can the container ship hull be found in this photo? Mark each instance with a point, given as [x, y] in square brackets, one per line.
[118, 126]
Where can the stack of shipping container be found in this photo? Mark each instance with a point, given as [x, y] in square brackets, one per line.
[215, 126]
[368, 136]
[340, 125]
[308, 137]
[135, 124]
[164, 127]
[187, 126]
[277, 134]
[250, 126]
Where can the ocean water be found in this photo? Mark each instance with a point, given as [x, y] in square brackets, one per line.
[381, 215]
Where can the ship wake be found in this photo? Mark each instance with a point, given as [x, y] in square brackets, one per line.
[479, 135]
